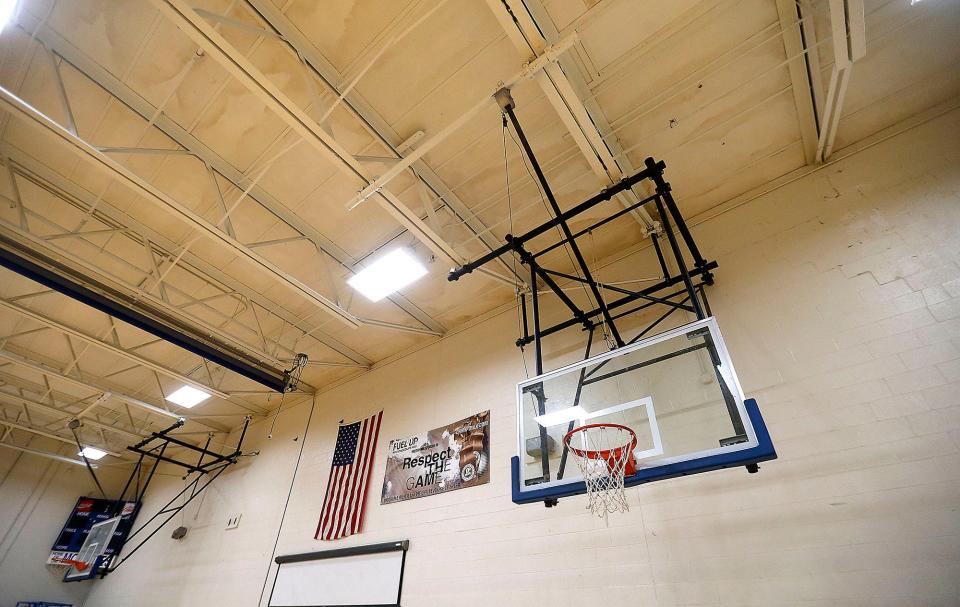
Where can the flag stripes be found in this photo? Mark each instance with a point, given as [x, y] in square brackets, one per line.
[343, 503]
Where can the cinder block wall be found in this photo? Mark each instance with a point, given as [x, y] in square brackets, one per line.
[839, 298]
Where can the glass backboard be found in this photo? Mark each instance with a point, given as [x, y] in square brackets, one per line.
[677, 391]
[91, 555]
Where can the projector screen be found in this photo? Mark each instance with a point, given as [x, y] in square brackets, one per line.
[339, 578]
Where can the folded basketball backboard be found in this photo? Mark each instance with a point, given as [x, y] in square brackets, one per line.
[91, 557]
[676, 391]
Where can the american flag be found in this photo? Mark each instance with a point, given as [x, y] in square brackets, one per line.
[343, 505]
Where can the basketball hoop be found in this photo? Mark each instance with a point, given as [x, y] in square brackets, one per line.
[604, 459]
[80, 566]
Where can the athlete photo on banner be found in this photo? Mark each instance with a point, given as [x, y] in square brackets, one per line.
[452, 457]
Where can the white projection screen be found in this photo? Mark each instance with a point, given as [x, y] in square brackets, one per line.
[364, 575]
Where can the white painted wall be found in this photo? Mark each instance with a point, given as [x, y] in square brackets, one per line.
[36, 496]
[839, 298]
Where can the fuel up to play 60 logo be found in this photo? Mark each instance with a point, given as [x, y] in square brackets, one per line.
[445, 459]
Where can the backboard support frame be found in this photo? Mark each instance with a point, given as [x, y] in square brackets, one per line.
[682, 290]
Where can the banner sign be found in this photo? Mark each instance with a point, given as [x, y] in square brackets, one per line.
[445, 459]
[88, 512]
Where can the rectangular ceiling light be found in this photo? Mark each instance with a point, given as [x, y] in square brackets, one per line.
[188, 397]
[387, 275]
[555, 418]
[92, 453]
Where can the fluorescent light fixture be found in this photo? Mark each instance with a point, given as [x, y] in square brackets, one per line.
[188, 397]
[555, 418]
[387, 275]
[92, 453]
[6, 11]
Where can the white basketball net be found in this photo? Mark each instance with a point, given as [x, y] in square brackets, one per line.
[601, 453]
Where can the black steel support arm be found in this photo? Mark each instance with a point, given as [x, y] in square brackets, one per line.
[558, 214]
[624, 184]
[711, 265]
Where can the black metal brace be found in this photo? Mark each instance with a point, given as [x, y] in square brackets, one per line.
[661, 293]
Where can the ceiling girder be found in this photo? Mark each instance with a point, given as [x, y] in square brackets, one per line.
[375, 124]
[241, 68]
[64, 271]
[118, 351]
[57, 437]
[847, 25]
[531, 31]
[111, 168]
[550, 55]
[47, 454]
[800, 44]
[91, 383]
[146, 110]
[66, 415]
[60, 186]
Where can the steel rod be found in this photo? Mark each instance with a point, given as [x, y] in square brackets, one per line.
[548, 192]
[576, 402]
[639, 335]
[663, 262]
[598, 224]
[646, 363]
[604, 195]
[681, 264]
[627, 299]
[535, 300]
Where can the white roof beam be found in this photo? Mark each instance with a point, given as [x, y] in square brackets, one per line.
[68, 141]
[66, 415]
[241, 68]
[131, 99]
[56, 437]
[60, 458]
[376, 125]
[551, 54]
[847, 26]
[804, 67]
[65, 189]
[89, 383]
[116, 350]
[524, 31]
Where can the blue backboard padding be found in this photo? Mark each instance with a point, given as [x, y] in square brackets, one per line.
[763, 452]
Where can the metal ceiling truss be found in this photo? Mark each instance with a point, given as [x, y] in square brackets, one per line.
[212, 161]
[800, 43]
[550, 55]
[374, 124]
[198, 268]
[114, 170]
[26, 260]
[71, 141]
[41, 453]
[86, 381]
[30, 256]
[237, 65]
[62, 416]
[848, 33]
[63, 410]
[528, 26]
[56, 437]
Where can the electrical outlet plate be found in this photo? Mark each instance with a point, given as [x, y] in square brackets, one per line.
[233, 521]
